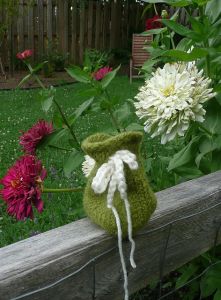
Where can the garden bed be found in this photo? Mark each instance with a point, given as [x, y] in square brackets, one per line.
[58, 78]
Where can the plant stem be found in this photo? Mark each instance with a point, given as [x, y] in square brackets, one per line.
[58, 106]
[64, 190]
[172, 41]
[155, 9]
[39, 82]
[36, 77]
[67, 124]
[113, 118]
[208, 66]
[60, 148]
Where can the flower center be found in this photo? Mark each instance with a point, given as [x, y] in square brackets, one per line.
[15, 183]
[168, 91]
[39, 183]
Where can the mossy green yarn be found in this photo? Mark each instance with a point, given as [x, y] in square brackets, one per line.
[142, 200]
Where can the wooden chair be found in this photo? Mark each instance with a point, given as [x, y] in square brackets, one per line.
[139, 55]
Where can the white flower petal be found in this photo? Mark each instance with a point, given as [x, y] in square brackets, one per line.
[171, 99]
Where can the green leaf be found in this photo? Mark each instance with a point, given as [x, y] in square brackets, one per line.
[109, 77]
[85, 94]
[54, 137]
[39, 67]
[176, 3]
[47, 103]
[175, 15]
[80, 110]
[134, 127]
[209, 284]
[148, 65]
[74, 160]
[184, 44]
[46, 97]
[123, 113]
[184, 156]
[206, 145]
[176, 27]
[187, 272]
[179, 3]
[213, 10]
[217, 295]
[211, 281]
[188, 172]
[147, 7]
[105, 104]
[196, 53]
[26, 78]
[155, 31]
[213, 117]
[197, 26]
[78, 74]
[216, 161]
[57, 120]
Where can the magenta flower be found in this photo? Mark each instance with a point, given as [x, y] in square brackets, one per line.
[22, 187]
[154, 23]
[101, 73]
[25, 54]
[31, 138]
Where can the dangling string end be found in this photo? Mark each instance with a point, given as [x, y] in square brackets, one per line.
[111, 175]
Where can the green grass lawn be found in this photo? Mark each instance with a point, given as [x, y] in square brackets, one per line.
[20, 109]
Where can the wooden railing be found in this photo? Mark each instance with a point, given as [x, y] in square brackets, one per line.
[80, 261]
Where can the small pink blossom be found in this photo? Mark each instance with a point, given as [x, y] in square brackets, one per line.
[25, 54]
[31, 138]
[22, 187]
[101, 73]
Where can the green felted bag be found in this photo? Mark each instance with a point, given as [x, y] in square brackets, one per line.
[142, 200]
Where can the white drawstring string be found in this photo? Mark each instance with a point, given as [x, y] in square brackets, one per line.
[111, 175]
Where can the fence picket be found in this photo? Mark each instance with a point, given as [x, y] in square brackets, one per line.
[76, 25]
[74, 31]
[31, 29]
[40, 23]
[90, 23]
[49, 20]
[20, 27]
[82, 28]
[98, 25]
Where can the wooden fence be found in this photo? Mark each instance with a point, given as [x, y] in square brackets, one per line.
[80, 261]
[74, 24]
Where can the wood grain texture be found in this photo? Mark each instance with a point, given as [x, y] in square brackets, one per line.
[46, 258]
[49, 20]
[82, 31]
[20, 27]
[40, 29]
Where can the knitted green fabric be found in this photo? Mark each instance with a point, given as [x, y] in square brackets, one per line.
[140, 196]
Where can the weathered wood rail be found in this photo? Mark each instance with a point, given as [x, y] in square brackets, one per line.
[80, 261]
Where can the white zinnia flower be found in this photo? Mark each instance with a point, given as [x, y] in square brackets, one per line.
[88, 165]
[171, 99]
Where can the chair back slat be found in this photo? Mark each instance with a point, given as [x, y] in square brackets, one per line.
[139, 54]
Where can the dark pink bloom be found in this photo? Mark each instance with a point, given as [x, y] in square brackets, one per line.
[22, 187]
[25, 54]
[101, 73]
[153, 23]
[31, 138]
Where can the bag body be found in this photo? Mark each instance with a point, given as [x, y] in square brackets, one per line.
[142, 200]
